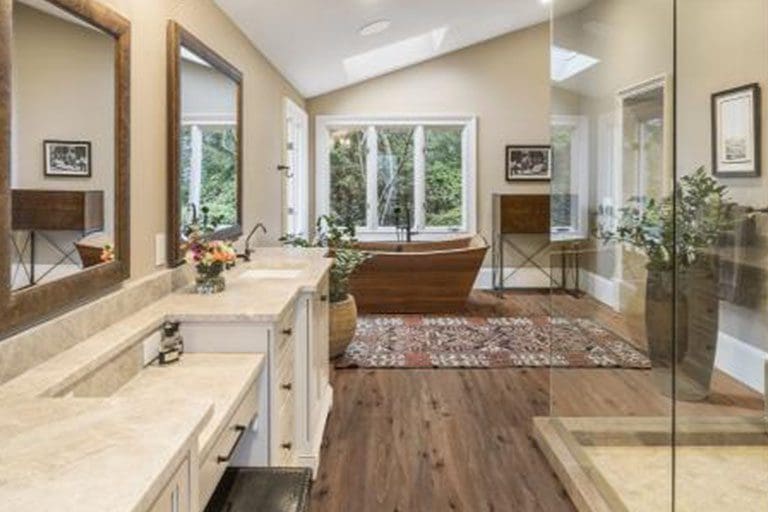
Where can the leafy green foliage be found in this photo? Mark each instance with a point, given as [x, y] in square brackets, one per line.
[675, 231]
[395, 175]
[345, 263]
[341, 242]
[443, 200]
[219, 178]
[348, 173]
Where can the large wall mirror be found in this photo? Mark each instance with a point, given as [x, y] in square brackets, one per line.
[64, 107]
[205, 142]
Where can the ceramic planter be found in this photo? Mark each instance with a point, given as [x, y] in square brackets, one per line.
[693, 319]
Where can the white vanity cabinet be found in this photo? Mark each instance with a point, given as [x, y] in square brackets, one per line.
[313, 390]
[176, 496]
[294, 392]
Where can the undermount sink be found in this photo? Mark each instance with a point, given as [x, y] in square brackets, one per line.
[271, 273]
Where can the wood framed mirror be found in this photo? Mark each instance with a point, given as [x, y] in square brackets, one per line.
[64, 156]
[205, 148]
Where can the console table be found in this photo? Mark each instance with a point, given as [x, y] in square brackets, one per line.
[39, 211]
[515, 216]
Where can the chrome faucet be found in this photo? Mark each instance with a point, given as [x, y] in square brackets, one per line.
[246, 256]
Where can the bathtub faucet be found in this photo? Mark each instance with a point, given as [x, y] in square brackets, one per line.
[404, 226]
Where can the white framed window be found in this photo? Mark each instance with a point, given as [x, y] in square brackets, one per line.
[379, 172]
[570, 177]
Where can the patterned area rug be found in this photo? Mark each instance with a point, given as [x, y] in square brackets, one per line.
[416, 341]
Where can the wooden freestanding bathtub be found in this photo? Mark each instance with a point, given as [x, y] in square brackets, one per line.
[418, 277]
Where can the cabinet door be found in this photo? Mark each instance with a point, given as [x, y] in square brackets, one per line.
[319, 373]
[175, 497]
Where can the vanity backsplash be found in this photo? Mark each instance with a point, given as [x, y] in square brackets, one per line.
[37, 344]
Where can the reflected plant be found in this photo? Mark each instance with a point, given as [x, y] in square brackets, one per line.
[675, 229]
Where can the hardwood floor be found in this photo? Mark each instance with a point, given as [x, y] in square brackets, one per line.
[444, 440]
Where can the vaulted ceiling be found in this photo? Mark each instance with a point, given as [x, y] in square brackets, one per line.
[318, 47]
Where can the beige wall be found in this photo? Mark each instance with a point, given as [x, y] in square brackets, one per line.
[264, 89]
[504, 82]
[723, 44]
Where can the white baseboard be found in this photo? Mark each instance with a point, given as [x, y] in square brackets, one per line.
[741, 361]
[528, 277]
[601, 288]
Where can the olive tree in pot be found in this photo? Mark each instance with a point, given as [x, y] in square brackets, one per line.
[678, 234]
[341, 244]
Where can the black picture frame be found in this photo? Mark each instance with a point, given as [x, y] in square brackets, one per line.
[50, 146]
[750, 164]
[517, 170]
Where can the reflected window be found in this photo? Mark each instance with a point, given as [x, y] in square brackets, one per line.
[570, 177]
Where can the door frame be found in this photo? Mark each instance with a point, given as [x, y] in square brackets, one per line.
[663, 82]
[299, 176]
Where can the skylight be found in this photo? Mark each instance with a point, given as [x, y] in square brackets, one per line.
[569, 63]
[393, 56]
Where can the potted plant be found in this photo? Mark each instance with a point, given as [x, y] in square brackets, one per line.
[677, 234]
[340, 241]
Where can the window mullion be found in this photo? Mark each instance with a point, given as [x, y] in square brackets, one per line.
[372, 169]
[419, 177]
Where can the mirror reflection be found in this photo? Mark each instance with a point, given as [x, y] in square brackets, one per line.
[62, 145]
[209, 146]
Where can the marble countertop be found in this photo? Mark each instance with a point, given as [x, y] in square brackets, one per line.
[245, 299]
[220, 379]
[253, 299]
[93, 454]
[115, 453]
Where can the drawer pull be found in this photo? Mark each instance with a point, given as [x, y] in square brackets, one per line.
[286, 446]
[287, 386]
[240, 429]
[288, 331]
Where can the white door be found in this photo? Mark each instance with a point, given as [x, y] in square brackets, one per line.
[296, 171]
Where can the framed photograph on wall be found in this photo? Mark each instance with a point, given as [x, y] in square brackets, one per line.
[736, 132]
[529, 163]
[71, 159]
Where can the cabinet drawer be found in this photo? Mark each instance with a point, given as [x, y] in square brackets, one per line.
[217, 460]
[285, 433]
[175, 497]
[284, 349]
[284, 366]
[285, 325]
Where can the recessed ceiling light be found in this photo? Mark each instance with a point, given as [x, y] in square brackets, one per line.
[376, 27]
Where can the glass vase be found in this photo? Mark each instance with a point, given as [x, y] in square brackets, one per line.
[209, 284]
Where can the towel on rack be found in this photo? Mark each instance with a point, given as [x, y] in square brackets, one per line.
[740, 282]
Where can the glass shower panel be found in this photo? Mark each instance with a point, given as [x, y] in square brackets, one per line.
[609, 433]
[721, 267]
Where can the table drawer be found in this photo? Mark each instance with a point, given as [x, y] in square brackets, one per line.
[217, 460]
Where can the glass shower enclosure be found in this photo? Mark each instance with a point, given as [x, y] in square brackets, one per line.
[659, 343]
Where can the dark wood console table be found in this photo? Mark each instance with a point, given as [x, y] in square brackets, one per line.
[40, 211]
[515, 216]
